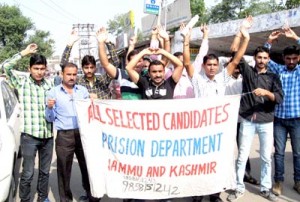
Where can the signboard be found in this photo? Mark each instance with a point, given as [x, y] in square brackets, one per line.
[169, 149]
[152, 6]
[172, 15]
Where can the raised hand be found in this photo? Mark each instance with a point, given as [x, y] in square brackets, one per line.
[289, 33]
[204, 30]
[274, 35]
[163, 33]
[246, 25]
[73, 37]
[182, 26]
[102, 35]
[247, 22]
[50, 103]
[30, 49]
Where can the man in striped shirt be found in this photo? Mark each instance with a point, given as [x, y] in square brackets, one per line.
[36, 132]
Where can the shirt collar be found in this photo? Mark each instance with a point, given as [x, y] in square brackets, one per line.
[286, 69]
[34, 81]
[95, 78]
[207, 79]
[62, 88]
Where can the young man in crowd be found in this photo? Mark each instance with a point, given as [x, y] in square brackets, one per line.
[262, 91]
[287, 114]
[36, 132]
[98, 86]
[156, 87]
[211, 83]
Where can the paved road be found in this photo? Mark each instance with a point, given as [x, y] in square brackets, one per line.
[289, 195]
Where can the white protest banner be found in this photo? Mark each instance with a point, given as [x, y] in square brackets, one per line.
[159, 148]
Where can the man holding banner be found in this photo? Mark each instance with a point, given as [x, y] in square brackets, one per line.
[61, 110]
[156, 87]
[212, 83]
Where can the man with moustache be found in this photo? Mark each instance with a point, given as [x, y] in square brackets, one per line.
[262, 91]
[61, 110]
[287, 114]
[155, 87]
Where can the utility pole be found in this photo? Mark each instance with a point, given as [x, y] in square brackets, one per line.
[84, 32]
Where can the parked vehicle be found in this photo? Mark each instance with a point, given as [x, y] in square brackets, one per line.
[10, 122]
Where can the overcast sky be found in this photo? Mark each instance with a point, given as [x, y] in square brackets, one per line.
[58, 16]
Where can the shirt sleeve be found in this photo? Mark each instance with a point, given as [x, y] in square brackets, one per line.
[142, 82]
[277, 90]
[113, 54]
[13, 79]
[195, 83]
[85, 93]
[274, 67]
[65, 56]
[202, 52]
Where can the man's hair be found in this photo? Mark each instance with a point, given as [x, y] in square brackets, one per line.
[156, 62]
[88, 59]
[290, 50]
[210, 56]
[261, 49]
[37, 59]
[132, 53]
[177, 54]
[69, 64]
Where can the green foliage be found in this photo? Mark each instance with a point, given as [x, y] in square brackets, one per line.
[140, 36]
[257, 7]
[12, 30]
[117, 25]
[226, 10]
[236, 9]
[14, 35]
[45, 46]
[292, 4]
[198, 8]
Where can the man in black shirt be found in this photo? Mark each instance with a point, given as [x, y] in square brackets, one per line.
[262, 91]
[155, 87]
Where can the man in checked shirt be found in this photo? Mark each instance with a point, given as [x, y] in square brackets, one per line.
[287, 114]
[98, 86]
[36, 132]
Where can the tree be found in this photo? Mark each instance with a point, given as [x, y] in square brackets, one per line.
[12, 30]
[198, 8]
[118, 24]
[292, 4]
[226, 10]
[14, 35]
[45, 46]
[236, 9]
[257, 7]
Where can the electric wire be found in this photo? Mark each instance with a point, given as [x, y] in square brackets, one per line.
[34, 11]
[59, 12]
[65, 11]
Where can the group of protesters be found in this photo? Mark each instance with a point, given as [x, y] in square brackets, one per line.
[269, 107]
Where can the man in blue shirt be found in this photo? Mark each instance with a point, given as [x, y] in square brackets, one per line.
[61, 110]
[287, 114]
